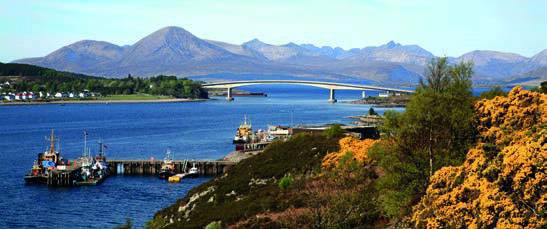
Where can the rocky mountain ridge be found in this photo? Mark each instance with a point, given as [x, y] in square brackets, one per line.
[173, 50]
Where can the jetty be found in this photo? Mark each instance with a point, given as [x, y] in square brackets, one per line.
[153, 167]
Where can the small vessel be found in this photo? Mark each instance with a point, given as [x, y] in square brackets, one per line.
[101, 166]
[192, 172]
[244, 133]
[93, 170]
[175, 178]
[168, 166]
[45, 164]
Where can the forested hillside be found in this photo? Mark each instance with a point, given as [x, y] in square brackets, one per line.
[24, 77]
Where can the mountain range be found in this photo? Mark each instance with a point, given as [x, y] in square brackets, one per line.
[173, 50]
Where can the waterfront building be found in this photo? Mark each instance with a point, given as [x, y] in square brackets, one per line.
[9, 97]
[383, 94]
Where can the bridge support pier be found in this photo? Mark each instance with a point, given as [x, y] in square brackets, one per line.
[332, 98]
[229, 94]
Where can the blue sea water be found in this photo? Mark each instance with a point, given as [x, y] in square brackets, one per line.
[196, 130]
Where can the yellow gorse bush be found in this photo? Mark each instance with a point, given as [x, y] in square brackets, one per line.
[358, 148]
[502, 181]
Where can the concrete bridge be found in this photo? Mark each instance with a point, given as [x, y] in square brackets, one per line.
[331, 86]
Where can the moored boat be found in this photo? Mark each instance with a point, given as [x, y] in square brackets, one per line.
[167, 166]
[93, 170]
[192, 172]
[46, 163]
[244, 133]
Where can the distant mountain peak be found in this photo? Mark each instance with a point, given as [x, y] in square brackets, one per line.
[540, 58]
[170, 32]
[254, 41]
[292, 45]
[172, 29]
[391, 44]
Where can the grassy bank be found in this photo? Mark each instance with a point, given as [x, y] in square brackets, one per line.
[251, 187]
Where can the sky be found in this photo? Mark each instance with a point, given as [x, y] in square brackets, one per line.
[445, 28]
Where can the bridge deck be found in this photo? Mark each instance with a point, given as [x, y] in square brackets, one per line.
[321, 84]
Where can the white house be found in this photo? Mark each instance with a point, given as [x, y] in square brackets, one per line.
[58, 95]
[384, 95]
[9, 97]
[71, 95]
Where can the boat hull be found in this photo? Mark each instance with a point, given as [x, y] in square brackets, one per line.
[31, 179]
[191, 175]
[239, 141]
[165, 174]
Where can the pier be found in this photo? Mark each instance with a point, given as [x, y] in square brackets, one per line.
[70, 177]
[153, 167]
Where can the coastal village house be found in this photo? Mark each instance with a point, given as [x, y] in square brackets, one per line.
[60, 95]
[383, 94]
[9, 97]
[21, 96]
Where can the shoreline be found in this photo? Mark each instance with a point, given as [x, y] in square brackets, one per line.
[102, 101]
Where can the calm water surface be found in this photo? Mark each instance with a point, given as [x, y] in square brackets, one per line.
[201, 130]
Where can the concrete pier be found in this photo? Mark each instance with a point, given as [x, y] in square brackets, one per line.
[153, 167]
[332, 98]
[229, 94]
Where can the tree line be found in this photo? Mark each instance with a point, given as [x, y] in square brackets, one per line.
[35, 79]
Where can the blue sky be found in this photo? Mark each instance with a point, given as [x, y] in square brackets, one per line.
[36, 28]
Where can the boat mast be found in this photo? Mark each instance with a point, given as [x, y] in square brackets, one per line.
[101, 148]
[52, 142]
[85, 143]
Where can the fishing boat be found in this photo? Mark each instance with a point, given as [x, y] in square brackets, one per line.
[192, 172]
[167, 166]
[100, 167]
[45, 164]
[93, 170]
[244, 133]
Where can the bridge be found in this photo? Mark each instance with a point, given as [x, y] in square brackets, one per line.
[331, 86]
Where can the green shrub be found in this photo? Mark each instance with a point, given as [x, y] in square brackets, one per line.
[214, 225]
[334, 131]
[286, 182]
